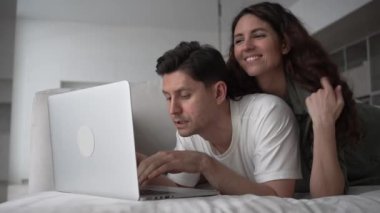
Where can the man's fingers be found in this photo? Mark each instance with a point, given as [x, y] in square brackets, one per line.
[152, 164]
[143, 168]
[159, 171]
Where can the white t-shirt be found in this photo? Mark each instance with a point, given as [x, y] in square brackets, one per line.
[264, 144]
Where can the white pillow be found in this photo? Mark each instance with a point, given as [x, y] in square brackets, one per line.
[41, 162]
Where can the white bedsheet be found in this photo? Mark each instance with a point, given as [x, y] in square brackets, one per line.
[64, 202]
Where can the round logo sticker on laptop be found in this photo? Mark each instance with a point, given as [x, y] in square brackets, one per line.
[85, 140]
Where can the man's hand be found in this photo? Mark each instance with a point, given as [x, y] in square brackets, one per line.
[219, 176]
[170, 161]
[140, 157]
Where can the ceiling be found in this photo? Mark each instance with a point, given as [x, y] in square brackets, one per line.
[147, 13]
[141, 13]
[179, 14]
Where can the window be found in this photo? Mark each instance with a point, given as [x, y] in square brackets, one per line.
[364, 99]
[356, 54]
[5, 118]
[338, 59]
[374, 43]
[376, 99]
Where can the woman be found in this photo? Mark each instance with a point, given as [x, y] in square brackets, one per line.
[272, 52]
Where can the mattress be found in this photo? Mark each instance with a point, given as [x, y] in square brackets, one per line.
[359, 199]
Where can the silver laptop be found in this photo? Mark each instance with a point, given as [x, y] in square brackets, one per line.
[94, 147]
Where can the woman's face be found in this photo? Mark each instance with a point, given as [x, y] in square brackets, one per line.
[257, 47]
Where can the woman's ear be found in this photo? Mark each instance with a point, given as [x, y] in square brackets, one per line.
[220, 89]
[285, 46]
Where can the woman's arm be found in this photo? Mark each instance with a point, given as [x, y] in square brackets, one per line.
[326, 175]
[324, 107]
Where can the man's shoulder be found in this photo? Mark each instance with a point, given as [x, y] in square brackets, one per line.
[260, 105]
[261, 99]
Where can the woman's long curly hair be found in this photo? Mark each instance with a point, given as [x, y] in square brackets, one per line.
[305, 64]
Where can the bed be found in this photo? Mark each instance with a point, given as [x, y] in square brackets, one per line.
[361, 199]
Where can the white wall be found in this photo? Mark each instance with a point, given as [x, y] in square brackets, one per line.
[49, 50]
[229, 10]
[7, 25]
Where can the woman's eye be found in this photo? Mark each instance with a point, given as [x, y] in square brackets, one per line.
[259, 35]
[238, 41]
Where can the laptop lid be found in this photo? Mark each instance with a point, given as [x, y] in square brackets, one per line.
[93, 141]
[94, 146]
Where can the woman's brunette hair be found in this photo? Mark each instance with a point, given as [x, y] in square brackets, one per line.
[306, 63]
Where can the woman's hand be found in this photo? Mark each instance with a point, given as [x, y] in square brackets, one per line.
[326, 104]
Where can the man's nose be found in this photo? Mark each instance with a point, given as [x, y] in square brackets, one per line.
[174, 107]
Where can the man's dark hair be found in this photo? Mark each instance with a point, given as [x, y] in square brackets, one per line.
[202, 62]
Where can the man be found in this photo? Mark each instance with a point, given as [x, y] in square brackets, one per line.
[239, 147]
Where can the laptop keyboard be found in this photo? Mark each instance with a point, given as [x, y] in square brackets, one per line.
[156, 195]
[152, 192]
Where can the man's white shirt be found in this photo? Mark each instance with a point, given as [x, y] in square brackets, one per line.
[264, 145]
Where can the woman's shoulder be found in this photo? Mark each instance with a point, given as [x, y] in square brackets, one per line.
[296, 96]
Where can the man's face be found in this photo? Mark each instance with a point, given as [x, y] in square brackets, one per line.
[191, 104]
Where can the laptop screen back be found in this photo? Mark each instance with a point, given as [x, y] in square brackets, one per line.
[93, 141]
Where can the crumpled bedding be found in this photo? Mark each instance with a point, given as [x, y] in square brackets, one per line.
[52, 201]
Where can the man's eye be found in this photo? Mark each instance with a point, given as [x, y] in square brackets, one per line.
[185, 96]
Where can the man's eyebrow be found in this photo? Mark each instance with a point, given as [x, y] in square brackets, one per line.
[178, 90]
